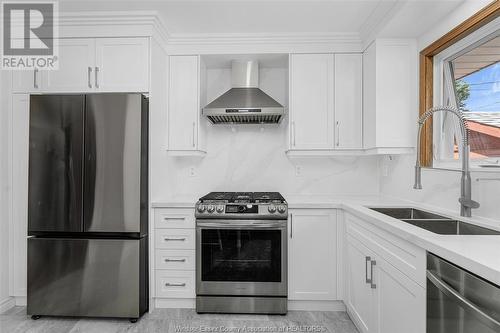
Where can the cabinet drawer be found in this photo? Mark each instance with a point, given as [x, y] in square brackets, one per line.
[408, 258]
[175, 284]
[175, 239]
[181, 260]
[174, 218]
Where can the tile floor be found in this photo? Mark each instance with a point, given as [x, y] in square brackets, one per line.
[183, 321]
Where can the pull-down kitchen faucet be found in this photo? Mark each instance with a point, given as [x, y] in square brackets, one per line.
[466, 203]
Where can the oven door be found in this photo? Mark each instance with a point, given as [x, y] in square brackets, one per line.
[241, 257]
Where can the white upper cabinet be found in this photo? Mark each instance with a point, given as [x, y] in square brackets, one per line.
[92, 65]
[312, 255]
[122, 64]
[76, 65]
[348, 101]
[390, 94]
[311, 101]
[183, 104]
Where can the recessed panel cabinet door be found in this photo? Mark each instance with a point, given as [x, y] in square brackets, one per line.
[312, 257]
[183, 105]
[122, 64]
[311, 101]
[400, 302]
[348, 101]
[359, 295]
[76, 67]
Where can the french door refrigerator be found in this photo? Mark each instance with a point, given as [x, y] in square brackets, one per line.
[88, 206]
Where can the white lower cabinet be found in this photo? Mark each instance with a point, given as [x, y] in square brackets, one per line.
[174, 254]
[312, 254]
[379, 297]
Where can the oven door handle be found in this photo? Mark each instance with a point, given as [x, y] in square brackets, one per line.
[239, 225]
[466, 304]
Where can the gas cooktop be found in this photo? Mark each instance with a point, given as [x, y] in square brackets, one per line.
[242, 205]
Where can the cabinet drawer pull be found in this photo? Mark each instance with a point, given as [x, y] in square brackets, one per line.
[166, 218]
[194, 130]
[373, 285]
[167, 239]
[89, 74]
[174, 260]
[368, 280]
[168, 284]
[293, 133]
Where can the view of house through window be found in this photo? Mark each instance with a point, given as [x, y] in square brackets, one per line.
[477, 90]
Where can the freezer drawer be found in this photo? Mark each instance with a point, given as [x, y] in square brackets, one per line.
[87, 277]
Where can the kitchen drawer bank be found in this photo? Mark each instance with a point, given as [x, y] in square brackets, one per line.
[173, 260]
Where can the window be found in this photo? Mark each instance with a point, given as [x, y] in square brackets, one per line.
[470, 82]
[462, 69]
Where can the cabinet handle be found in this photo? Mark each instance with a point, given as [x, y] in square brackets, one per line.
[174, 239]
[35, 81]
[291, 225]
[167, 218]
[174, 260]
[194, 130]
[367, 259]
[338, 133]
[96, 77]
[89, 74]
[293, 133]
[168, 284]
[373, 285]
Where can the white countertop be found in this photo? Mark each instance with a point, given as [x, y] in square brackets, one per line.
[479, 254]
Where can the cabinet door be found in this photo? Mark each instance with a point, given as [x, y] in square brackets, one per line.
[26, 81]
[76, 66]
[359, 295]
[311, 101]
[399, 301]
[312, 257]
[183, 107]
[122, 64]
[348, 101]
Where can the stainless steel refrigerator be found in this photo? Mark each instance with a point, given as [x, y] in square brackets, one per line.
[88, 206]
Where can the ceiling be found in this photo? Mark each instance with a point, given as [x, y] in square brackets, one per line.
[280, 16]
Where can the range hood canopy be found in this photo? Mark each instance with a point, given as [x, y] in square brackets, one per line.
[244, 103]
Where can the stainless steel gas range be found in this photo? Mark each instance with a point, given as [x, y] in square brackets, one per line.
[241, 253]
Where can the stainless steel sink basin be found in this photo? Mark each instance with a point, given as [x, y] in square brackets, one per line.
[435, 223]
[408, 213]
[451, 227]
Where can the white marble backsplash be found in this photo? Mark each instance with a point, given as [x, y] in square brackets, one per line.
[441, 188]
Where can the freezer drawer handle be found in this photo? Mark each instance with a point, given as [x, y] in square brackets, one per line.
[167, 239]
[464, 302]
[168, 284]
[174, 260]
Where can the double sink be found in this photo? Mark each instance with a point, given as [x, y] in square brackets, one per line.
[435, 223]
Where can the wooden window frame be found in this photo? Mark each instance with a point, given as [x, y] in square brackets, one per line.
[426, 85]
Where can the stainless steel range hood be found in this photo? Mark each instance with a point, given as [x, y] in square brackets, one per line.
[244, 103]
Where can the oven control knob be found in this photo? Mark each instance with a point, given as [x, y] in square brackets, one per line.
[281, 209]
[220, 209]
[211, 209]
[201, 208]
[271, 209]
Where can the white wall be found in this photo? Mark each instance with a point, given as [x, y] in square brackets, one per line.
[441, 188]
[252, 157]
[4, 225]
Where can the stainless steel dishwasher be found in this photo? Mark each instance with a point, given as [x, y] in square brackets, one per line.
[459, 301]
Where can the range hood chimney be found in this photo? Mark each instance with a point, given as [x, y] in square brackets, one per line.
[244, 103]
